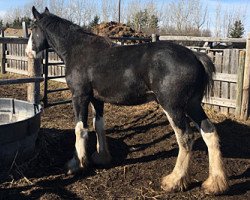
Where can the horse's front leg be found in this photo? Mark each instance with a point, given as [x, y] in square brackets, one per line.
[80, 160]
[102, 155]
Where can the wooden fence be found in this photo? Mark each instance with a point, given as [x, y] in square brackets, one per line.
[231, 81]
[16, 61]
[13, 59]
[225, 96]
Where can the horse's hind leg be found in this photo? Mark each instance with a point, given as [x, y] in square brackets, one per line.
[217, 180]
[179, 179]
[102, 155]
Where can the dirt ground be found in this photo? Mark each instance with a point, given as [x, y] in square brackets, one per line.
[143, 147]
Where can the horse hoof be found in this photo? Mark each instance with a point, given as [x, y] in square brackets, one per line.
[174, 183]
[215, 185]
[74, 166]
[102, 158]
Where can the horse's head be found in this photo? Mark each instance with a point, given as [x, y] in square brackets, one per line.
[37, 40]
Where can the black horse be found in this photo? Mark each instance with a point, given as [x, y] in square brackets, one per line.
[98, 72]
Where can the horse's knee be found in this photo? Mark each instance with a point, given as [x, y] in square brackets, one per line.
[81, 133]
[99, 124]
[187, 141]
[186, 136]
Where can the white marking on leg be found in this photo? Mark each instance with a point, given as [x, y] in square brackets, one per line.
[217, 180]
[93, 114]
[80, 144]
[179, 178]
[80, 159]
[102, 155]
[29, 51]
[101, 138]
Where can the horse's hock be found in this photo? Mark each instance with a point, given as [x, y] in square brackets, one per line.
[19, 127]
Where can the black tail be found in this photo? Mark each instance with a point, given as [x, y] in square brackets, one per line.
[209, 69]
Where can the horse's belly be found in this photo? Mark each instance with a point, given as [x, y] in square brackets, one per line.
[127, 99]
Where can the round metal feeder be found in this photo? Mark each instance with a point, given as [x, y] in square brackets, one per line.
[19, 127]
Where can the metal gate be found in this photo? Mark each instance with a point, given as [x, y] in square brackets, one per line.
[46, 64]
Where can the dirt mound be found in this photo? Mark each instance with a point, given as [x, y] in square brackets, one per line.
[115, 29]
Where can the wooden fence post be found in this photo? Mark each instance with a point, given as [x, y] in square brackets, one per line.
[240, 74]
[246, 82]
[25, 30]
[34, 70]
[2, 54]
[154, 37]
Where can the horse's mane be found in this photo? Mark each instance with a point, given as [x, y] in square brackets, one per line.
[56, 23]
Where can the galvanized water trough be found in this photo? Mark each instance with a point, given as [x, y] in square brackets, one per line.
[19, 127]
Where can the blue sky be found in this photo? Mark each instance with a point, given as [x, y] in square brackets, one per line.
[6, 5]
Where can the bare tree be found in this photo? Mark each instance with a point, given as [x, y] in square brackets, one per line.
[81, 11]
[184, 17]
[218, 20]
[12, 14]
[39, 4]
[199, 14]
[109, 10]
[57, 7]
[180, 14]
[106, 10]
[225, 18]
[164, 17]
[133, 7]
[114, 10]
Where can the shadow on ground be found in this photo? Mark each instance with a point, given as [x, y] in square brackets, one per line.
[234, 139]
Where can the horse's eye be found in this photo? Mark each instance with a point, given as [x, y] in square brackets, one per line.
[33, 25]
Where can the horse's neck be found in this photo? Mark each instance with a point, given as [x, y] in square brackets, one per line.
[59, 44]
[62, 45]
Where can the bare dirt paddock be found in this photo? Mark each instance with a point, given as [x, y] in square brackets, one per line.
[143, 147]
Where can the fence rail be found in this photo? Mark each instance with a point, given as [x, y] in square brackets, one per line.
[231, 82]
[227, 86]
[202, 39]
[21, 80]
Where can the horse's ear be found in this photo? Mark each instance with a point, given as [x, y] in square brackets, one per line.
[46, 10]
[36, 14]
